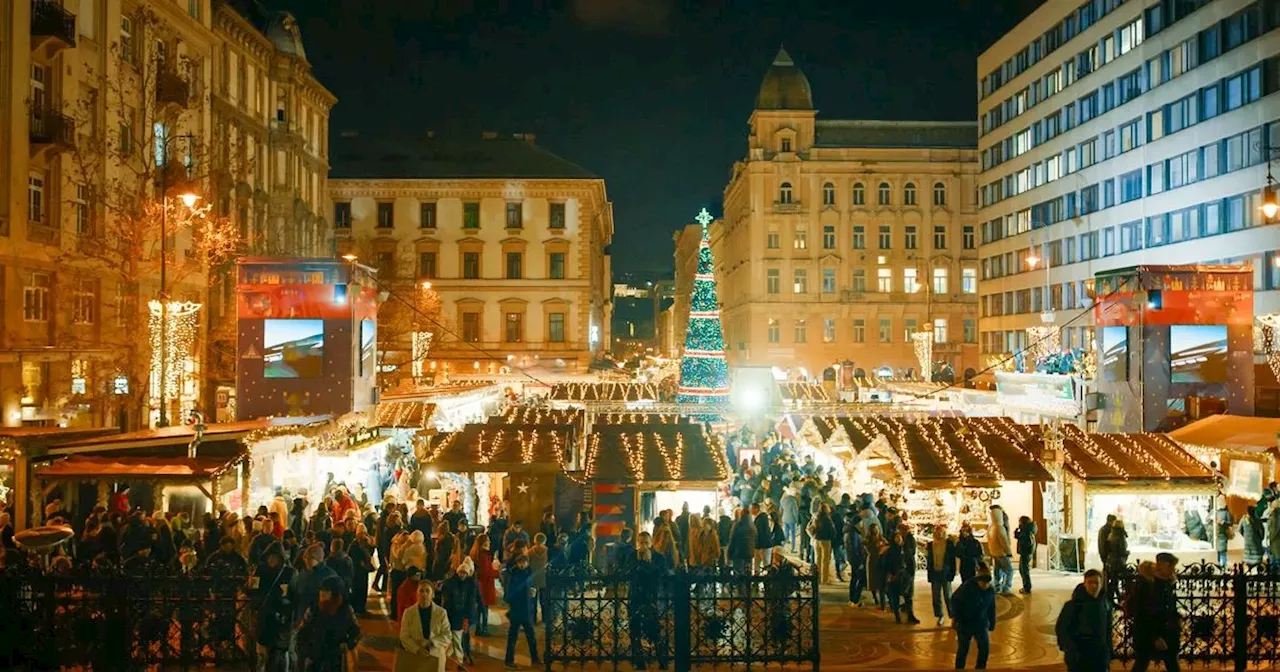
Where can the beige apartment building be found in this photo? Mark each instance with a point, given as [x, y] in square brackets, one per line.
[687, 242]
[841, 238]
[511, 239]
[104, 102]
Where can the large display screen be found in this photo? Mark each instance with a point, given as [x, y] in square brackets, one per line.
[293, 348]
[1198, 353]
[368, 341]
[1115, 354]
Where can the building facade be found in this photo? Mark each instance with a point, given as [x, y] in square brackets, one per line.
[509, 238]
[841, 239]
[1115, 135]
[270, 125]
[687, 242]
[103, 104]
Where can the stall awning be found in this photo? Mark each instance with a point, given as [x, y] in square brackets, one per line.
[529, 415]
[604, 392]
[655, 453]
[485, 448]
[160, 437]
[85, 467]
[639, 419]
[1131, 457]
[1231, 432]
[407, 414]
[803, 392]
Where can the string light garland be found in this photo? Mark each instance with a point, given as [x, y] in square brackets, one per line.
[804, 391]
[922, 345]
[178, 322]
[1085, 441]
[604, 391]
[674, 462]
[528, 445]
[634, 456]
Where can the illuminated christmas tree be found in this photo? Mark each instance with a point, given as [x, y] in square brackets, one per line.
[704, 375]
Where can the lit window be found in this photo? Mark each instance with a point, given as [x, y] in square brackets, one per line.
[801, 240]
[884, 280]
[910, 283]
[941, 280]
[801, 281]
[828, 330]
[939, 330]
[35, 298]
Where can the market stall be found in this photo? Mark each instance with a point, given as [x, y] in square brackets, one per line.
[565, 395]
[168, 477]
[1161, 492]
[1243, 449]
[18, 445]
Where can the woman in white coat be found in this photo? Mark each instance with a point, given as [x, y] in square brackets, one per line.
[424, 634]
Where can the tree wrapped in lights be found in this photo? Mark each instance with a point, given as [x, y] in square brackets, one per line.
[704, 375]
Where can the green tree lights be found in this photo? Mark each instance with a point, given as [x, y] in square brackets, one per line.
[704, 375]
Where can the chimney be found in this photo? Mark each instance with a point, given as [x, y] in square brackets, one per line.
[489, 135]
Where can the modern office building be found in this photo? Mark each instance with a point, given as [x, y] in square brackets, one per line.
[841, 239]
[1122, 134]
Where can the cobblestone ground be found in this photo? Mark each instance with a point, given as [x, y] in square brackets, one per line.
[852, 638]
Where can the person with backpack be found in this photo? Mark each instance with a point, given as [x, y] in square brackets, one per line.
[1084, 627]
[1152, 604]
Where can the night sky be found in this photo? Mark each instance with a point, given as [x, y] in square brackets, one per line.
[652, 95]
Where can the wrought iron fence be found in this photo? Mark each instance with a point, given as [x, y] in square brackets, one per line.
[96, 620]
[683, 619]
[1230, 616]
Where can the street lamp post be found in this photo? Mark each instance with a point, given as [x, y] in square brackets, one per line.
[188, 199]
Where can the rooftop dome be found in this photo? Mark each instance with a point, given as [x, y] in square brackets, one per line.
[784, 86]
[283, 33]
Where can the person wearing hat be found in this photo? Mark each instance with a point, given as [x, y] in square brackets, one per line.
[1156, 623]
[329, 632]
[973, 617]
[460, 595]
[269, 589]
[306, 582]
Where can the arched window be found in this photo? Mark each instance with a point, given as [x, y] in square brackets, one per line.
[859, 194]
[828, 194]
[784, 193]
[884, 193]
[909, 194]
[939, 194]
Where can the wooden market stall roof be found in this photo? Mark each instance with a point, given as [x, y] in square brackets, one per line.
[492, 448]
[796, 391]
[216, 436]
[85, 467]
[1232, 433]
[633, 418]
[535, 415]
[604, 392]
[1131, 457]
[655, 453]
[403, 414]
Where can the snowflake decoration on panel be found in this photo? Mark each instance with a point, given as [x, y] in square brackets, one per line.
[704, 374]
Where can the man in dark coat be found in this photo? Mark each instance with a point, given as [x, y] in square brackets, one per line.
[497, 533]
[454, 515]
[973, 616]
[624, 552]
[764, 538]
[421, 520]
[682, 528]
[1084, 627]
[1156, 623]
[742, 542]
[341, 565]
[519, 595]
[1025, 537]
[857, 557]
[270, 594]
[306, 583]
[643, 603]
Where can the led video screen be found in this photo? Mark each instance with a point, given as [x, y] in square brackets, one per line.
[293, 348]
[1115, 354]
[1198, 353]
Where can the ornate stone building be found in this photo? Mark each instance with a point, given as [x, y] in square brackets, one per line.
[841, 238]
[687, 242]
[511, 239]
[97, 96]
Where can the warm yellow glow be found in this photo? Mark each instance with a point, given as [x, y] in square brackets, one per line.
[1032, 260]
[1269, 209]
[175, 355]
[426, 284]
[349, 257]
[189, 199]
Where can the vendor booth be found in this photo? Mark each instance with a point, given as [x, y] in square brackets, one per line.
[1161, 492]
[636, 471]
[1243, 449]
[189, 468]
[484, 465]
[18, 446]
[565, 395]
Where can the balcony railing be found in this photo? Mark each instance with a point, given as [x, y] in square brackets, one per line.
[49, 127]
[50, 21]
[172, 88]
[39, 232]
[787, 208]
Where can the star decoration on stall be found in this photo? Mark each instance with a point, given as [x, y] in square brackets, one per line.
[523, 488]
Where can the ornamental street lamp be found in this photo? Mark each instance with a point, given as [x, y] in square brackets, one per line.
[189, 200]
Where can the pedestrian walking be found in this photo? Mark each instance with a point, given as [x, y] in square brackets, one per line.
[742, 542]
[329, 632]
[1084, 627]
[857, 557]
[790, 515]
[875, 546]
[1000, 548]
[823, 531]
[1225, 529]
[764, 540]
[460, 596]
[1104, 541]
[1026, 538]
[940, 568]
[1157, 625]
[1117, 553]
[270, 594]
[519, 595]
[424, 634]
[895, 577]
[644, 604]
[486, 574]
[1273, 534]
[973, 617]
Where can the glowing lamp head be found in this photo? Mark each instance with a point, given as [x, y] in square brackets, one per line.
[189, 199]
[751, 398]
[426, 284]
[1032, 261]
[1269, 204]
[349, 257]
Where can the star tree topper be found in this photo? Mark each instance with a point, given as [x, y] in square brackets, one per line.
[704, 218]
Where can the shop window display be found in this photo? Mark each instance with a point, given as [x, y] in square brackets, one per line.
[1156, 523]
